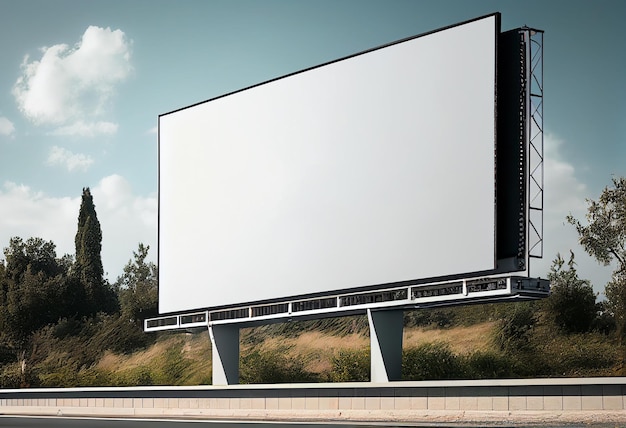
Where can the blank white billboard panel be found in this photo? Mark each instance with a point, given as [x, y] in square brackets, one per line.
[370, 170]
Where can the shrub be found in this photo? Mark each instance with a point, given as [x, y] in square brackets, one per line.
[351, 366]
[513, 333]
[120, 335]
[572, 302]
[11, 377]
[63, 376]
[431, 361]
[7, 355]
[171, 367]
[138, 376]
[272, 366]
[66, 327]
[578, 355]
[440, 318]
[489, 365]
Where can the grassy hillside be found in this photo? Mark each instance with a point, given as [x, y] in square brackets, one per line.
[474, 342]
[185, 359]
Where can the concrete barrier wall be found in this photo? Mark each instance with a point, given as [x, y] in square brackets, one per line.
[527, 400]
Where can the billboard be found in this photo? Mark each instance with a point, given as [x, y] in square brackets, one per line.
[371, 170]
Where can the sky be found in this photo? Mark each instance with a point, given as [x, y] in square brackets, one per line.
[82, 84]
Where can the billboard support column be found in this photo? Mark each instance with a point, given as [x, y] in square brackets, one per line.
[385, 344]
[225, 358]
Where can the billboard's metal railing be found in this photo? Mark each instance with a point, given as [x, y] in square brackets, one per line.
[445, 293]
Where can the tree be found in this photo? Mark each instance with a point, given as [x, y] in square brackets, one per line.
[572, 302]
[88, 267]
[615, 292]
[138, 289]
[32, 287]
[514, 332]
[35, 253]
[604, 238]
[32, 292]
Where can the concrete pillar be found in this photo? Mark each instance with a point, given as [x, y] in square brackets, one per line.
[385, 344]
[225, 358]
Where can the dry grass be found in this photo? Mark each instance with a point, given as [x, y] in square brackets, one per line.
[314, 348]
[318, 349]
[197, 346]
[109, 361]
[462, 340]
[116, 363]
[316, 340]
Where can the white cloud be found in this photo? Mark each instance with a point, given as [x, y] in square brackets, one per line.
[125, 218]
[153, 130]
[82, 129]
[27, 213]
[68, 86]
[565, 194]
[72, 161]
[6, 127]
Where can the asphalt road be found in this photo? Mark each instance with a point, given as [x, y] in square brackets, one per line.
[59, 422]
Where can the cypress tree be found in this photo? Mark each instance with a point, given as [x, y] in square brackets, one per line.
[88, 267]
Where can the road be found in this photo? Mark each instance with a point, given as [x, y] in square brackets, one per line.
[76, 422]
[60, 422]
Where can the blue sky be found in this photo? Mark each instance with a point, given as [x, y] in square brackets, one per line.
[82, 85]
